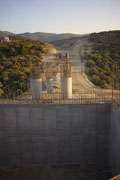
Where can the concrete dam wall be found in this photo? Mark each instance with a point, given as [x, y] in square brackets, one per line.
[114, 141]
[86, 134]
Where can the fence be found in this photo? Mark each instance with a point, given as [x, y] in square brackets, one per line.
[56, 98]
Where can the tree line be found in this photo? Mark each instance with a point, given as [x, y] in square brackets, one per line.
[104, 57]
[17, 58]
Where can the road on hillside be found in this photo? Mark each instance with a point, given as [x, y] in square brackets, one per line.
[80, 81]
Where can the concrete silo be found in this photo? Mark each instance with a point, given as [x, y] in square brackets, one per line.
[36, 84]
[66, 80]
[36, 88]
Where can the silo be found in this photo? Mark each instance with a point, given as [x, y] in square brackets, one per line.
[66, 87]
[36, 88]
[66, 81]
[36, 82]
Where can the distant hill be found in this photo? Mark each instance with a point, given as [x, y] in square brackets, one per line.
[48, 36]
[37, 36]
[66, 43]
[41, 35]
[5, 33]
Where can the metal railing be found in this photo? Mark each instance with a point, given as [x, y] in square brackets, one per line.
[89, 97]
[56, 98]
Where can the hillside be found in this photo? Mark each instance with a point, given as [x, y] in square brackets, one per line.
[19, 59]
[104, 61]
[50, 37]
[37, 36]
[41, 35]
[5, 33]
[67, 43]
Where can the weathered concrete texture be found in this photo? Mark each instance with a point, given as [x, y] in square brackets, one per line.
[54, 134]
[114, 146]
[41, 172]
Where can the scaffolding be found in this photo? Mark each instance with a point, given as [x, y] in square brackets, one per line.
[66, 70]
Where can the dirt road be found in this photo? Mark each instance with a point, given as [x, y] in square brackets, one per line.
[81, 82]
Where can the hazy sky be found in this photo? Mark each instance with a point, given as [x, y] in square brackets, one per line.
[59, 16]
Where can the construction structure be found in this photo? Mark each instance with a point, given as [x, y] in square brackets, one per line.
[55, 78]
[49, 81]
[49, 85]
[72, 135]
[66, 79]
[36, 83]
[36, 88]
[79, 133]
[67, 56]
[58, 73]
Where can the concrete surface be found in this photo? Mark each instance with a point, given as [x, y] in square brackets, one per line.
[66, 87]
[61, 135]
[114, 143]
[54, 134]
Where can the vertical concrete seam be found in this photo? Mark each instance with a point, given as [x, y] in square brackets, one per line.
[43, 115]
[32, 158]
[97, 119]
[18, 133]
[109, 113]
[70, 138]
[56, 138]
[5, 135]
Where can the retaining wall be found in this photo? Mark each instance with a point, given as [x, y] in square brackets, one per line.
[86, 134]
[54, 134]
[114, 140]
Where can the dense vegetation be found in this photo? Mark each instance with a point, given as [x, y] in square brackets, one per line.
[17, 59]
[103, 58]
